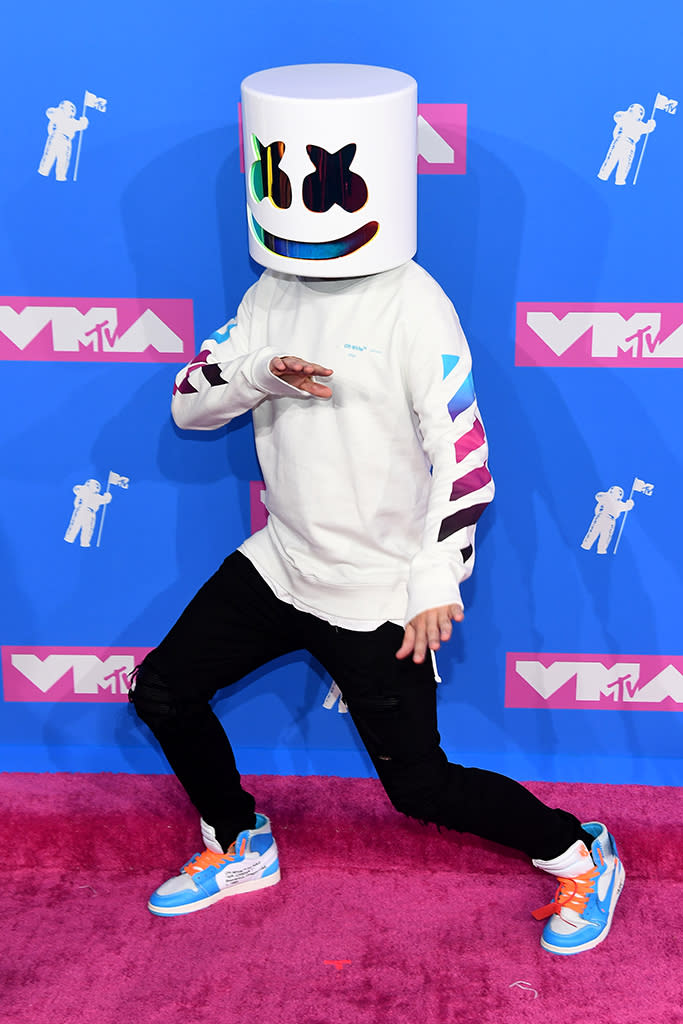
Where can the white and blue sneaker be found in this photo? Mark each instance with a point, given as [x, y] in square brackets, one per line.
[589, 885]
[250, 863]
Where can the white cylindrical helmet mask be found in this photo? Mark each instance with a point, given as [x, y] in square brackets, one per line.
[330, 154]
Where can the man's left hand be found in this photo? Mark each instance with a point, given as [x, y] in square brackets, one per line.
[428, 630]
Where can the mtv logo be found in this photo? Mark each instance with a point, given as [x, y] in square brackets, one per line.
[582, 681]
[441, 138]
[96, 330]
[74, 674]
[609, 334]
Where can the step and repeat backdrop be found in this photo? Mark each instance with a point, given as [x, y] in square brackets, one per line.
[551, 145]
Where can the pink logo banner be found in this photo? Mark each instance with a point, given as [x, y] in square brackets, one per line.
[258, 511]
[69, 674]
[96, 330]
[599, 334]
[606, 682]
[441, 138]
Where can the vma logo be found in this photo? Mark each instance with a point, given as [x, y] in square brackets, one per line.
[605, 334]
[69, 674]
[97, 330]
[594, 681]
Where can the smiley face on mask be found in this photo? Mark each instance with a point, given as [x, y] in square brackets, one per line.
[331, 168]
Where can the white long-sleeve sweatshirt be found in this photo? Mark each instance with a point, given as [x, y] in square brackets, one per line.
[373, 494]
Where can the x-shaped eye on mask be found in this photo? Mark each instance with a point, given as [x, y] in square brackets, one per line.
[266, 177]
[333, 181]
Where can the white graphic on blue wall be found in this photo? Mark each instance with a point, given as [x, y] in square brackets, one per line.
[62, 127]
[431, 145]
[334, 695]
[630, 127]
[610, 506]
[88, 502]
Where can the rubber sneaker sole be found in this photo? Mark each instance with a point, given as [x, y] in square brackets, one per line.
[592, 943]
[232, 890]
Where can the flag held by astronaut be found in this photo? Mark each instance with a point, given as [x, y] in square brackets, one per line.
[642, 487]
[91, 100]
[664, 103]
[118, 481]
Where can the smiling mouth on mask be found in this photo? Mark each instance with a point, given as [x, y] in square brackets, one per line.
[333, 249]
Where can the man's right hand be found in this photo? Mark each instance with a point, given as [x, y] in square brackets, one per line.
[299, 374]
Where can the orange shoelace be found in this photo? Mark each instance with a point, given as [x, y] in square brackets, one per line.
[572, 893]
[209, 859]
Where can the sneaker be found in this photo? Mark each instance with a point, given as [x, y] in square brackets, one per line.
[250, 863]
[590, 882]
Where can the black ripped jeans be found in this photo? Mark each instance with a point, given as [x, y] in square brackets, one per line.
[234, 625]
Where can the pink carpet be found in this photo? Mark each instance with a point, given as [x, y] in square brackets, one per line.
[377, 919]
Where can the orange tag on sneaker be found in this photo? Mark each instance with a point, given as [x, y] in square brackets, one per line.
[547, 911]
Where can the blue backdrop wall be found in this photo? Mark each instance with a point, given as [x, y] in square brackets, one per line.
[549, 211]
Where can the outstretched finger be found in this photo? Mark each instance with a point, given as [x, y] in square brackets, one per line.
[433, 630]
[408, 642]
[445, 625]
[295, 364]
[313, 388]
[421, 641]
[314, 370]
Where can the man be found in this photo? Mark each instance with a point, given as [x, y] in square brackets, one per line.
[358, 375]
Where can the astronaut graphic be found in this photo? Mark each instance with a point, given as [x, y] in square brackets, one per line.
[87, 503]
[629, 128]
[86, 506]
[61, 129]
[610, 505]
